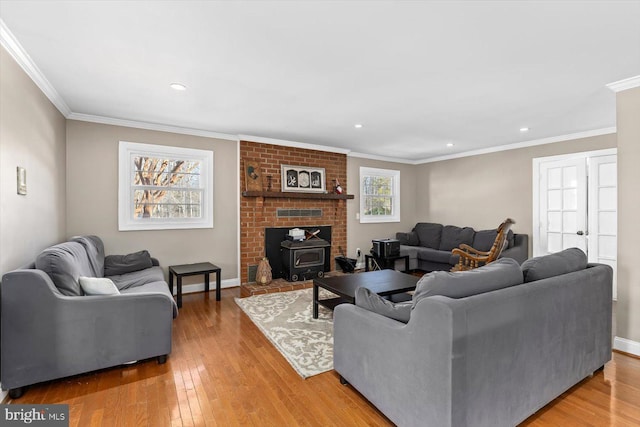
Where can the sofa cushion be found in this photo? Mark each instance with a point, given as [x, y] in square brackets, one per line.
[408, 239]
[433, 255]
[371, 301]
[121, 264]
[429, 234]
[159, 287]
[64, 263]
[499, 274]
[138, 278]
[95, 252]
[453, 236]
[98, 286]
[483, 239]
[543, 267]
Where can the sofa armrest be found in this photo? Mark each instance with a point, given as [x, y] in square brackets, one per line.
[47, 335]
[396, 365]
[520, 249]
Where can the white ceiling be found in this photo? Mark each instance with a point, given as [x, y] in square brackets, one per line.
[417, 75]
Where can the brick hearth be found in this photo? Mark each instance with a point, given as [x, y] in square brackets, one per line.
[278, 285]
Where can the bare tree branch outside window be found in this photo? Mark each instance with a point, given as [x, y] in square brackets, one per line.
[166, 188]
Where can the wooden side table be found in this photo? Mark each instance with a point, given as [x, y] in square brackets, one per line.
[183, 270]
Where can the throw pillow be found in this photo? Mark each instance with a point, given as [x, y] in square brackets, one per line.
[400, 311]
[499, 274]
[98, 286]
[121, 264]
[543, 267]
[453, 237]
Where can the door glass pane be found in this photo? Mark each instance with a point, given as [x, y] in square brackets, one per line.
[570, 177]
[554, 242]
[555, 222]
[570, 199]
[555, 200]
[607, 247]
[607, 174]
[554, 178]
[607, 223]
[569, 222]
[608, 198]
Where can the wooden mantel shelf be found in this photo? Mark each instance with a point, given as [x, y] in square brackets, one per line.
[296, 195]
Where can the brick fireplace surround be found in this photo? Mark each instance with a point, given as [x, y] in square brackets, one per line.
[258, 213]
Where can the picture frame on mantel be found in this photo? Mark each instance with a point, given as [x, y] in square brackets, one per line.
[303, 179]
[252, 175]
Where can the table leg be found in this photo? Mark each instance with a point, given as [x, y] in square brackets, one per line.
[218, 284]
[206, 282]
[179, 291]
[171, 281]
[315, 301]
[406, 264]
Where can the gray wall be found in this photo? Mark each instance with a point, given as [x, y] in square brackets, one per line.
[32, 135]
[360, 235]
[92, 202]
[481, 191]
[628, 305]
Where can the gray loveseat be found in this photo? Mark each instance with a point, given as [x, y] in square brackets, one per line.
[502, 345]
[51, 329]
[429, 245]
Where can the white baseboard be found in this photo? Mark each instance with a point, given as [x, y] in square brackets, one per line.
[199, 287]
[628, 346]
[3, 395]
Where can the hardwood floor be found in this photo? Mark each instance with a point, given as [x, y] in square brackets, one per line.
[224, 372]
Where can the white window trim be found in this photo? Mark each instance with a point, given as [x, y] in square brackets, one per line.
[126, 222]
[370, 219]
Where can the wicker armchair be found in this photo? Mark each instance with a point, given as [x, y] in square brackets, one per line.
[471, 258]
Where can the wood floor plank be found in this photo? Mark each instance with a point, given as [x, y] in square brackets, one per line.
[224, 372]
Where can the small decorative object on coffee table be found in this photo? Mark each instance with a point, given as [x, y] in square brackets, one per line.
[183, 270]
[382, 282]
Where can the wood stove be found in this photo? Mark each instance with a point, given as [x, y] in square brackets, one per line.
[303, 260]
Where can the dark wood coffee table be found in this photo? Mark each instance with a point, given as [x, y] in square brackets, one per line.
[382, 282]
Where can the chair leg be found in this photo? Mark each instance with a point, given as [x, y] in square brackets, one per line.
[343, 381]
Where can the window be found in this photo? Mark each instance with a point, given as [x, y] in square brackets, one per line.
[163, 187]
[379, 195]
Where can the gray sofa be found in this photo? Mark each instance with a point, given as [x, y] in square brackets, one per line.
[502, 345]
[429, 245]
[51, 329]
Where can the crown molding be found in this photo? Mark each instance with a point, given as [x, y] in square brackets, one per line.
[517, 145]
[150, 126]
[381, 158]
[625, 84]
[285, 143]
[17, 52]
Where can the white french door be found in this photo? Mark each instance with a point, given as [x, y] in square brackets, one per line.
[575, 205]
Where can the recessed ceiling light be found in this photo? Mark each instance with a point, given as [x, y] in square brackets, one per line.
[524, 129]
[450, 144]
[178, 86]
[357, 125]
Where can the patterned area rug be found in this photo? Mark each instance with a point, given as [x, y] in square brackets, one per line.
[286, 319]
